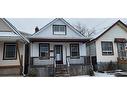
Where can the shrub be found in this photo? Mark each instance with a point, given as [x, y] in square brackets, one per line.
[33, 72]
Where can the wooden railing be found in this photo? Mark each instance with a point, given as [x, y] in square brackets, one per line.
[122, 60]
[80, 60]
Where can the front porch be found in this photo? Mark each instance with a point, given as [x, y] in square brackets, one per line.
[58, 57]
[72, 67]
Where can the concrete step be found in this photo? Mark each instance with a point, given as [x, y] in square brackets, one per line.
[61, 70]
[62, 75]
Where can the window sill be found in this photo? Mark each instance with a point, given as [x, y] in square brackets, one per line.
[77, 57]
[40, 58]
[9, 58]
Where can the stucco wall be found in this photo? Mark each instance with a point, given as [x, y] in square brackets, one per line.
[115, 32]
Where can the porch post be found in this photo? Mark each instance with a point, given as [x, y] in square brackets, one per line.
[20, 58]
[67, 62]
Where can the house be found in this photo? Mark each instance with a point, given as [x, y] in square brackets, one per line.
[108, 47]
[12, 49]
[57, 44]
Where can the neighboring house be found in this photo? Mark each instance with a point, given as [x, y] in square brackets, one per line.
[25, 34]
[12, 49]
[57, 43]
[109, 46]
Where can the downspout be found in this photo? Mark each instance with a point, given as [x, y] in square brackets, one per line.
[24, 52]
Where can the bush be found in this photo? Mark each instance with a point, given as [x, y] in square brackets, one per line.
[33, 72]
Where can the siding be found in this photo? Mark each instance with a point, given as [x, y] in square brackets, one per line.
[91, 49]
[10, 62]
[4, 27]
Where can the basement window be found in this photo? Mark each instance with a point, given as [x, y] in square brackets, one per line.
[9, 51]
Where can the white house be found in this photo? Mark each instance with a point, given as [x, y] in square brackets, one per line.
[12, 49]
[57, 43]
[109, 45]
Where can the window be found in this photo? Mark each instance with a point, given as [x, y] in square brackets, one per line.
[74, 50]
[107, 48]
[44, 51]
[10, 51]
[59, 29]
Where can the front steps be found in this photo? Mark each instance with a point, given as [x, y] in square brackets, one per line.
[61, 70]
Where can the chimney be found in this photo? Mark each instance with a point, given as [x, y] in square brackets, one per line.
[36, 29]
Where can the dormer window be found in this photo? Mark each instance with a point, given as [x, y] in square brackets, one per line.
[59, 29]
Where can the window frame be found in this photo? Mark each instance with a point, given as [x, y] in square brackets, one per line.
[44, 58]
[74, 57]
[112, 53]
[65, 32]
[4, 52]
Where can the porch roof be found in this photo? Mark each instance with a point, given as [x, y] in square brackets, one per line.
[57, 40]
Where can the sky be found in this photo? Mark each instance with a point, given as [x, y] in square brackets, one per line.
[28, 24]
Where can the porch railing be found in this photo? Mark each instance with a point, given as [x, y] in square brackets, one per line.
[82, 61]
[79, 60]
[121, 60]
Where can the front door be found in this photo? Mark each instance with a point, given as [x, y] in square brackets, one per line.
[58, 53]
[121, 50]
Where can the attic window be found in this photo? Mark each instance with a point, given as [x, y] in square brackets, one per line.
[59, 29]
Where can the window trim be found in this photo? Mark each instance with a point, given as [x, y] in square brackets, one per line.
[59, 25]
[41, 58]
[107, 51]
[74, 57]
[4, 51]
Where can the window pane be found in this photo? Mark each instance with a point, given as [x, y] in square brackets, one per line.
[74, 50]
[56, 28]
[44, 51]
[10, 51]
[59, 29]
[107, 48]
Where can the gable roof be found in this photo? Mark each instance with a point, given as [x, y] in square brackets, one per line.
[15, 30]
[107, 29]
[64, 21]
[25, 34]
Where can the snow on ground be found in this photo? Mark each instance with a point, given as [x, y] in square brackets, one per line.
[97, 74]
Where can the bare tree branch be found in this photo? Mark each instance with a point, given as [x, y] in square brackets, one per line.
[85, 30]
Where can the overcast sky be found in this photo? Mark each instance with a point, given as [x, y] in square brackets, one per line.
[28, 24]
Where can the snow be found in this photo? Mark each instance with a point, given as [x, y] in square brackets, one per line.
[5, 34]
[97, 74]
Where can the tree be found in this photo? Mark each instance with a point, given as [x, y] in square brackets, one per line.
[87, 32]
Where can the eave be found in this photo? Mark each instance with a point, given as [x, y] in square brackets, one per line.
[58, 40]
